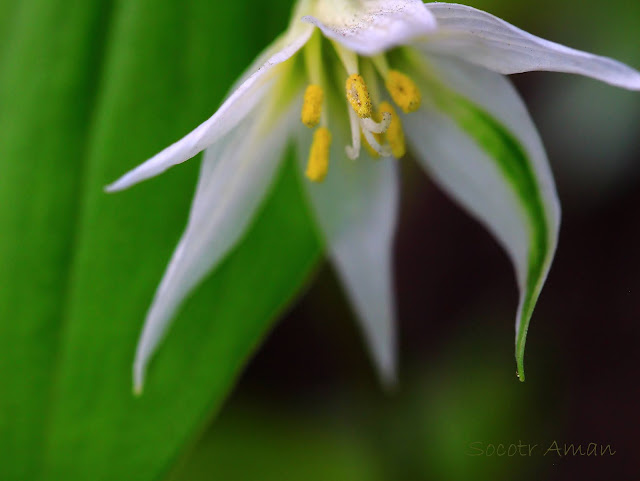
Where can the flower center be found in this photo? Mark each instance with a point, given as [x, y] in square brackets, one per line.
[374, 122]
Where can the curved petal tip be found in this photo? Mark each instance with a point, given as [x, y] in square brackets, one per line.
[116, 186]
[488, 41]
[138, 379]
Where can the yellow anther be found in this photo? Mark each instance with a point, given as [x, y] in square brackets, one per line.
[395, 134]
[358, 96]
[318, 164]
[404, 91]
[312, 106]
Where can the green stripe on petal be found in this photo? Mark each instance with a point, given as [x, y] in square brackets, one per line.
[479, 144]
[514, 164]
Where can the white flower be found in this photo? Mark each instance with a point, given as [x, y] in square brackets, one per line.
[441, 65]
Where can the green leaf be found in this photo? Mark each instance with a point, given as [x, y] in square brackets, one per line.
[99, 430]
[47, 85]
[87, 93]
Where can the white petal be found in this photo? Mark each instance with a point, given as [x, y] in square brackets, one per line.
[356, 208]
[369, 27]
[485, 40]
[465, 170]
[239, 103]
[235, 175]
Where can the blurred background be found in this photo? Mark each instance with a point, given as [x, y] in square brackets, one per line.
[88, 91]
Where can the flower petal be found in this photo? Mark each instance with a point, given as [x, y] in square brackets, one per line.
[235, 176]
[369, 27]
[485, 40]
[482, 148]
[239, 103]
[356, 208]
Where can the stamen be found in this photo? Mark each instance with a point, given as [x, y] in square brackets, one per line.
[395, 134]
[358, 96]
[347, 57]
[318, 164]
[312, 106]
[404, 91]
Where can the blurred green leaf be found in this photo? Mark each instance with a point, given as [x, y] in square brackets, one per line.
[86, 92]
[98, 430]
[249, 444]
[47, 87]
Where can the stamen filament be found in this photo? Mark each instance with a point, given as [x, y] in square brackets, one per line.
[312, 107]
[369, 149]
[348, 58]
[353, 150]
[313, 58]
[368, 72]
[381, 64]
[383, 150]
